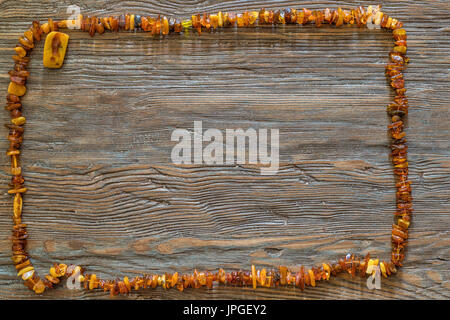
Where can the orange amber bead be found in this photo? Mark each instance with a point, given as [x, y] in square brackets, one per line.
[16, 89]
[165, 26]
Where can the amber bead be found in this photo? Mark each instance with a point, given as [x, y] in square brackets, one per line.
[340, 17]
[283, 272]
[177, 26]
[55, 49]
[21, 52]
[114, 22]
[348, 17]
[132, 22]
[399, 34]
[127, 22]
[230, 19]
[16, 89]
[100, 28]
[403, 223]
[254, 279]
[39, 287]
[319, 18]
[165, 26]
[240, 20]
[400, 49]
[105, 23]
[156, 27]
[263, 16]
[145, 24]
[36, 29]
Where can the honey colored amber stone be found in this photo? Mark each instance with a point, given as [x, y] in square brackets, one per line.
[312, 277]
[16, 89]
[283, 273]
[132, 22]
[340, 18]
[19, 258]
[55, 49]
[174, 279]
[37, 31]
[145, 24]
[240, 20]
[21, 52]
[327, 269]
[370, 265]
[22, 265]
[186, 24]
[220, 19]
[39, 287]
[93, 283]
[229, 19]
[53, 25]
[45, 27]
[400, 49]
[399, 34]
[389, 22]
[52, 279]
[377, 18]
[221, 276]
[165, 26]
[53, 272]
[127, 22]
[214, 21]
[403, 223]
[105, 23]
[254, 277]
[114, 22]
[100, 28]
[156, 27]
[177, 26]
[383, 269]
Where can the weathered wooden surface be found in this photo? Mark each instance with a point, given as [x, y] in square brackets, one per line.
[104, 194]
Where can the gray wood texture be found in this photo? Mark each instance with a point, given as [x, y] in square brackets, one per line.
[103, 192]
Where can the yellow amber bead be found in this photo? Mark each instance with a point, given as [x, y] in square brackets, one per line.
[55, 49]
[39, 287]
[17, 205]
[165, 26]
[53, 272]
[18, 121]
[24, 270]
[383, 269]
[16, 89]
[327, 269]
[372, 263]
[220, 18]
[254, 276]
[127, 283]
[312, 277]
[403, 223]
[132, 22]
[186, 24]
[93, 282]
[21, 52]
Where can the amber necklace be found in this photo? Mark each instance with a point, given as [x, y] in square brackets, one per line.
[54, 52]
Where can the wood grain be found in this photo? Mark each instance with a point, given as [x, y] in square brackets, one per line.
[103, 192]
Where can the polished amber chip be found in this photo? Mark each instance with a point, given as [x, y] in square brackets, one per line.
[55, 49]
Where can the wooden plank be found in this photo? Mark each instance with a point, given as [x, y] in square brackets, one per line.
[105, 194]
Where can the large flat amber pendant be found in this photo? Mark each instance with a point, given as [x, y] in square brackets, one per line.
[55, 49]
